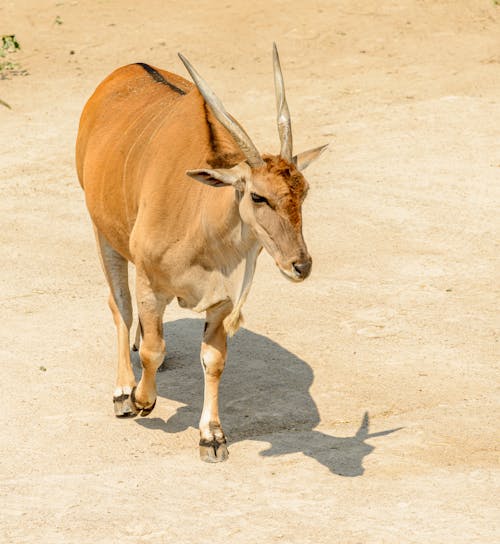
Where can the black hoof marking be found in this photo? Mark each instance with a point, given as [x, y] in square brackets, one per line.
[147, 411]
[124, 406]
[142, 411]
[212, 451]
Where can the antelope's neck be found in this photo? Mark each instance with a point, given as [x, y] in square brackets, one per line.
[223, 229]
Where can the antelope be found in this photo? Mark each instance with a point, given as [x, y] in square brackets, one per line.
[174, 185]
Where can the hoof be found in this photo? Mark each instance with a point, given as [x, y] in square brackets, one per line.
[124, 406]
[143, 411]
[147, 411]
[212, 451]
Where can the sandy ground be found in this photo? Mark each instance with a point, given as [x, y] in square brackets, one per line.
[361, 406]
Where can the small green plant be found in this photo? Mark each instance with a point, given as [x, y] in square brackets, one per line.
[9, 46]
[10, 43]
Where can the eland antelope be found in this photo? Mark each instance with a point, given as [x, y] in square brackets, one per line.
[146, 140]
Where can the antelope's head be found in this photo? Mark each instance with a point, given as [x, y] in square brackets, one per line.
[271, 188]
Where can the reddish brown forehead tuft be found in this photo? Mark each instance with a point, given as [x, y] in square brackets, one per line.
[278, 168]
[287, 171]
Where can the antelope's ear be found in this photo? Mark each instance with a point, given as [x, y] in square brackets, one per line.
[222, 177]
[303, 160]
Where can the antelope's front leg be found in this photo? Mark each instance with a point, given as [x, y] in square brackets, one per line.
[213, 357]
[151, 305]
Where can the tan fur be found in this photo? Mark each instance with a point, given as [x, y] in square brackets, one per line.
[199, 243]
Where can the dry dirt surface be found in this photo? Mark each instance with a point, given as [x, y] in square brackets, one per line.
[361, 406]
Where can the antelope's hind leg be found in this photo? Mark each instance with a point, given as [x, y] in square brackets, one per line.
[213, 447]
[116, 271]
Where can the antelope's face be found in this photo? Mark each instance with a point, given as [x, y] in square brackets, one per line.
[272, 188]
[271, 204]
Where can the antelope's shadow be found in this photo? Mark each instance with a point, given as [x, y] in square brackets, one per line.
[264, 395]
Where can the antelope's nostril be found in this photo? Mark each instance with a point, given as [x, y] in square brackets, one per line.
[302, 269]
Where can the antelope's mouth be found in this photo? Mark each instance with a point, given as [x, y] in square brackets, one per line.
[291, 275]
[296, 272]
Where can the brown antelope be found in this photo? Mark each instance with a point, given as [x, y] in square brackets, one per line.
[144, 136]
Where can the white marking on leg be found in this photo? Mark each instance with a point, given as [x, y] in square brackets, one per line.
[119, 391]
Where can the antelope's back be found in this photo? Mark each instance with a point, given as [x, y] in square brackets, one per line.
[120, 107]
[116, 125]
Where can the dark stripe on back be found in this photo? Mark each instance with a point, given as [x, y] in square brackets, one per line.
[159, 78]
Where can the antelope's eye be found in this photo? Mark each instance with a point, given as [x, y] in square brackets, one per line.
[257, 198]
